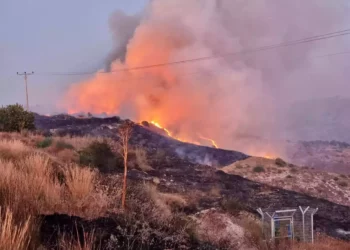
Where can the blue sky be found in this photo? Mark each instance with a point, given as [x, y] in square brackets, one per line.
[53, 36]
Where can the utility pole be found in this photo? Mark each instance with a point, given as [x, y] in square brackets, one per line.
[25, 74]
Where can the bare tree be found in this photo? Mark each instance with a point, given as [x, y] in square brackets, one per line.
[124, 133]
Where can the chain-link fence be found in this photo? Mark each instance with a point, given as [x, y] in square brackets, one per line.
[293, 223]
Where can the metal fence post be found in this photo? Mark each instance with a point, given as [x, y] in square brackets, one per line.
[262, 219]
[312, 225]
[303, 213]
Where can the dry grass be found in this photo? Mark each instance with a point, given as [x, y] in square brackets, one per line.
[164, 202]
[67, 156]
[254, 238]
[12, 149]
[323, 243]
[69, 243]
[141, 160]
[81, 142]
[79, 181]
[14, 236]
[30, 185]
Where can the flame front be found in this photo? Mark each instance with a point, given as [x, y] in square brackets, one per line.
[213, 143]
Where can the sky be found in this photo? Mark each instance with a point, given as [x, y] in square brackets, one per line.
[53, 36]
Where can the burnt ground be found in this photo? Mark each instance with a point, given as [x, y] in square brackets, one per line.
[183, 172]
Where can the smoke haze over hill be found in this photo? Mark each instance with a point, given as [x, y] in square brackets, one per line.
[229, 97]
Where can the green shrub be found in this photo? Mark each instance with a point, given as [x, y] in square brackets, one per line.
[61, 145]
[281, 163]
[13, 118]
[100, 155]
[45, 143]
[336, 178]
[258, 169]
[289, 176]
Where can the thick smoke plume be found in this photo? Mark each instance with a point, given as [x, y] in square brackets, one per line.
[233, 99]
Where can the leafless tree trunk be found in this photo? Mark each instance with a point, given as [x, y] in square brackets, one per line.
[125, 131]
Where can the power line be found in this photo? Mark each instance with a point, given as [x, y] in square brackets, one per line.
[258, 49]
[25, 74]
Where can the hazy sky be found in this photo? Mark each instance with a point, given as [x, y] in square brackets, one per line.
[53, 36]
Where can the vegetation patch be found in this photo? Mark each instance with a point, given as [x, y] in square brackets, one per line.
[100, 155]
[343, 184]
[239, 166]
[61, 145]
[258, 169]
[232, 206]
[281, 163]
[13, 118]
[294, 170]
[47, 142]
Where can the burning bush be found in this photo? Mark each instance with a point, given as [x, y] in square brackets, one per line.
[14, 118]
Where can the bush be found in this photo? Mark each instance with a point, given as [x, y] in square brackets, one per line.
[61, 145]
[45, 143]
[336, 178]
[101, 156]
[232, 206]
[293, 170]
[258, 169]
[281, 163]
[14, 118]
[239, 166]
[289, 176]
[343, 184]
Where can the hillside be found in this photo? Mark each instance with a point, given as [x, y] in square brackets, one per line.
[194, 199]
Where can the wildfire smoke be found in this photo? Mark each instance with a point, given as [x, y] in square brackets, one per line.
[220, 98]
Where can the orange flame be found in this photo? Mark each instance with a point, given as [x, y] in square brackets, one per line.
[170, 134]
[208, 139]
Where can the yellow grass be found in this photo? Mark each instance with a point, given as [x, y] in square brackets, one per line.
[12, 149]
[80, 181]
[29, 184]
[14, 236]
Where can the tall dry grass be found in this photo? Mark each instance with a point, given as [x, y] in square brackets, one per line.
[79, 181]
[14, 236]
[13, 149]
[86, 243]
[31, 184]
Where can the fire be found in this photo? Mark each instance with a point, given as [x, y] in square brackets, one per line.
[269, 156]
[170, 134]
[208, 139]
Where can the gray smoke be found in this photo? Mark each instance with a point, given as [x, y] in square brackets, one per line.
[122, 27]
